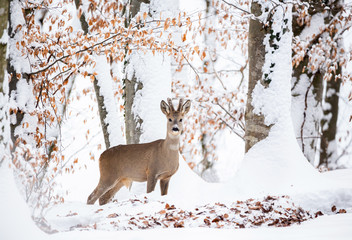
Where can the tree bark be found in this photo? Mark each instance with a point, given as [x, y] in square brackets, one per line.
[4, 13]
[19, 114]
[329, 124]
[133, 123]
[132, 85]
[256, 130]
[102, 112]
[328, 145]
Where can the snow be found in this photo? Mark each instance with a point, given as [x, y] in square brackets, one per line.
[316, 24]
[278, 67]
[336, 227]
[297, 112]
[154, 72]
[113, 118]
[345, 111]
[78, 144]
[15, 220]
[277, 160]
[225, 167]
[15, 215]
[4, 123]
[274, 166]
[4, 37]
[17, 61]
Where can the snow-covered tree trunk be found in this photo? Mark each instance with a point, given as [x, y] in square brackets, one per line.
[206, 164]
[328, 144]
[274, 153]
[4, 13]
[133, 122]
[307, 89]
[147, 81]
[314, 95]
[107, 103]
[256, 129]
[19, 86]
[4, 124]
[103, 87]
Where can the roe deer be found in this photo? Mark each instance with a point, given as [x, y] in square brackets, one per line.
[121, 165]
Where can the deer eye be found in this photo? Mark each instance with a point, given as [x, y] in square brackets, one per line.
[170, 120]
[181, 120]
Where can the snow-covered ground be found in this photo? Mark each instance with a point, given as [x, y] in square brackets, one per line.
[16, 223]
[331, 227]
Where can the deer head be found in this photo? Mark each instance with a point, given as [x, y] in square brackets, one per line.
[175, 117]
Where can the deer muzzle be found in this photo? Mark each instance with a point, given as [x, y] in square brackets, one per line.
[175, 130]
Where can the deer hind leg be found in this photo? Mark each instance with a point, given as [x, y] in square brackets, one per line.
[106, 197]
[102, 188]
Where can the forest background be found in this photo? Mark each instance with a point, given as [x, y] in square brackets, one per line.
[81, 76]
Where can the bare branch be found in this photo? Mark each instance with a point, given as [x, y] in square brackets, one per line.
[241, 9]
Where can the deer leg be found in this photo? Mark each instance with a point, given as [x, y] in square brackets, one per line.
[93, 197]
[98, 191]
[164, 186]
[106, 197]
[151, 182]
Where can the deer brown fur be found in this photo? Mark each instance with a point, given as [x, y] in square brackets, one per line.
[121, 165]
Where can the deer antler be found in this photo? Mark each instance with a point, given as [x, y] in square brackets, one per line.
[180, 105]
[169, 101]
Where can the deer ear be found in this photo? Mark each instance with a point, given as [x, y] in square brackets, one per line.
[186, 107]
[165, 108]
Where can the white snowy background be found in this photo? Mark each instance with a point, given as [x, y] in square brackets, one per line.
[307, 188]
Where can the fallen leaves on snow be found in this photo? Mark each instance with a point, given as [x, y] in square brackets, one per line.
[269, 211]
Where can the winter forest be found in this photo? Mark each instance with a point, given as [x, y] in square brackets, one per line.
[258, 127]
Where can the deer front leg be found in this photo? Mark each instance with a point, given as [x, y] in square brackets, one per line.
[151, 182]
[164, 186]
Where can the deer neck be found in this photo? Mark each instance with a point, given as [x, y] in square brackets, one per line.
[172, 142]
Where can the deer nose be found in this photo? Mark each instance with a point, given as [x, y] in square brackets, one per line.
[175, 129]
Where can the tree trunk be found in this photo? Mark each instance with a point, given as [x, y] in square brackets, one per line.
[4, 9]
[328, 146]
[4, 12]
[256, 130]
[17, 112]
[102, 112]
[276, 160]
[147, 80]
[105, 100]
[133, 122]
[99, 96]
[307, 94]
[208, 62]
[313, 128]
